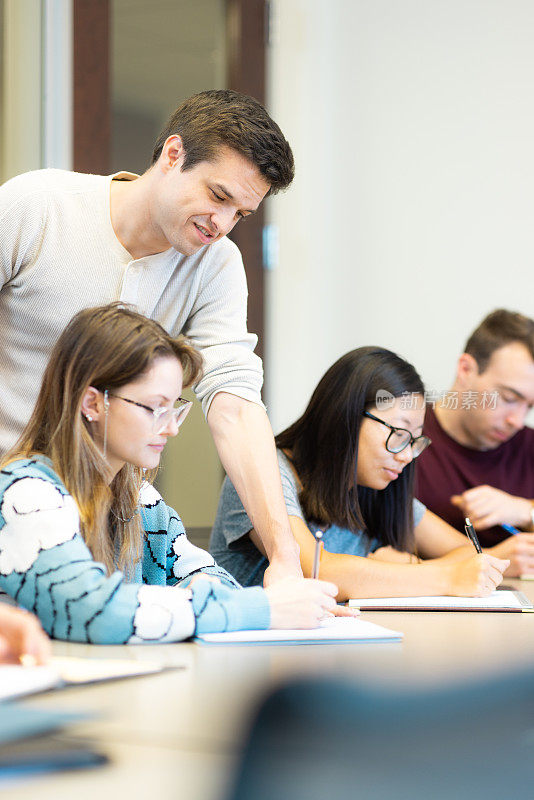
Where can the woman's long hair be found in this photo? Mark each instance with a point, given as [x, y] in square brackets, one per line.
[323, 446]
[105, 347]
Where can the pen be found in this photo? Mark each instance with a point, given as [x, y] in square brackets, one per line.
[317, 556]
[510, 529]
[472, 536]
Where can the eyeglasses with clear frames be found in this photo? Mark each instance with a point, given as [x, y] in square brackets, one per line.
[400, 438]
[162, 415]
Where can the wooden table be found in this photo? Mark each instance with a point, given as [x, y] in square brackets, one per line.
[178, 734]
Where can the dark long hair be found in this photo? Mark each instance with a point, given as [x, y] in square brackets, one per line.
[323, 447]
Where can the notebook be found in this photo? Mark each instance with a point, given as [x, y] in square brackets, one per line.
[499, 600]
[337, 630]
[16, 680]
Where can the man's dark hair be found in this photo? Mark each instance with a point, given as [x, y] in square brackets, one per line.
[499, 328]
[222, 118]
[323, 448]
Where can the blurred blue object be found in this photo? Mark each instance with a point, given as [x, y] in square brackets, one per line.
[29, 744]
[316, 739]
[20, 722]
[510, 529]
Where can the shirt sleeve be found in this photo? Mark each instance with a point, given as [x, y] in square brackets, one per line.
[289, 487]
[22, 218]
[418, 512]
[232, 521]
[217, 325]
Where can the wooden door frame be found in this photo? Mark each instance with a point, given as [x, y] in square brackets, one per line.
[246, 62]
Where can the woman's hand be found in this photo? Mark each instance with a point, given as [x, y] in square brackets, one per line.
[476, 576]
[303, 603]
[21, 637]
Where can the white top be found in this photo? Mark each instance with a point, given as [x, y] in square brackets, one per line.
[59, 254]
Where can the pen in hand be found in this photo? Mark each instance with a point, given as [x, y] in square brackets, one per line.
[317, 555]
[472, 535]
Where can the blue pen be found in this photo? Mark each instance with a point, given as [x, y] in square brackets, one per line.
[510, 529]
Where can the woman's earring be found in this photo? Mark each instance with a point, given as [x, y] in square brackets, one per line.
[106, 407]
[88, 417]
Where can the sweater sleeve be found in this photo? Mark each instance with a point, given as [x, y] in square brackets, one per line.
[22, 217]
[218, 608]
[182, 560]
[47, 568]
[218, 327]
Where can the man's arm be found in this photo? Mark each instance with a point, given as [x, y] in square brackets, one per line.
[245, 443]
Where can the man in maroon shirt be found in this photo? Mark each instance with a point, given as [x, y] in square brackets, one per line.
[481, 462]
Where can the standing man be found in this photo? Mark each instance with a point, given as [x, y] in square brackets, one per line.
[157, 241]
[481, 462]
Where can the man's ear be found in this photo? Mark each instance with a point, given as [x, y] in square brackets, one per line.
[172, 153]
[92, 404]
[467, 369]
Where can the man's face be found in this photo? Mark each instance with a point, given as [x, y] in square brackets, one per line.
[197, 207]
[504, 394]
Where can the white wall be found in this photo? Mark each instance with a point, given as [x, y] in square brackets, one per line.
[411, 215]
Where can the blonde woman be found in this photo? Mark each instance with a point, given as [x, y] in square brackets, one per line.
[86, 543]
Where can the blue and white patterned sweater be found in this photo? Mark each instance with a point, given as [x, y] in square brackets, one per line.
[46, 567]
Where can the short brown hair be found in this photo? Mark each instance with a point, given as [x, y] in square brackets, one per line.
[499, 328]
[219, 117]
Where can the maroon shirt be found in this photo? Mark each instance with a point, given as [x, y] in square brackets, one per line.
[446, 468]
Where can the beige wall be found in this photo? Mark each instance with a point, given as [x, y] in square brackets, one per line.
[20, 115]
[411, 216]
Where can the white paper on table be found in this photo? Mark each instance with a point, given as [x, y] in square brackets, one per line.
[339, 629]
[499, 599]
[17, 680]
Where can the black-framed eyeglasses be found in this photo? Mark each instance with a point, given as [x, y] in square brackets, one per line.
[400, 438]
[162, 415]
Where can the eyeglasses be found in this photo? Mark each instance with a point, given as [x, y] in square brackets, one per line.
[161, 416]
[400, 438]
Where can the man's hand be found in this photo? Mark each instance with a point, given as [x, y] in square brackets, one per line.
[21, 637]
[486, 506]
[520, 551]
[282, 567]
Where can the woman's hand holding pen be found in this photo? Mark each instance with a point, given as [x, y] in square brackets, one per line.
[476, 576]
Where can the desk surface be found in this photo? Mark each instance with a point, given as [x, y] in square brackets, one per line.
[179, 733]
